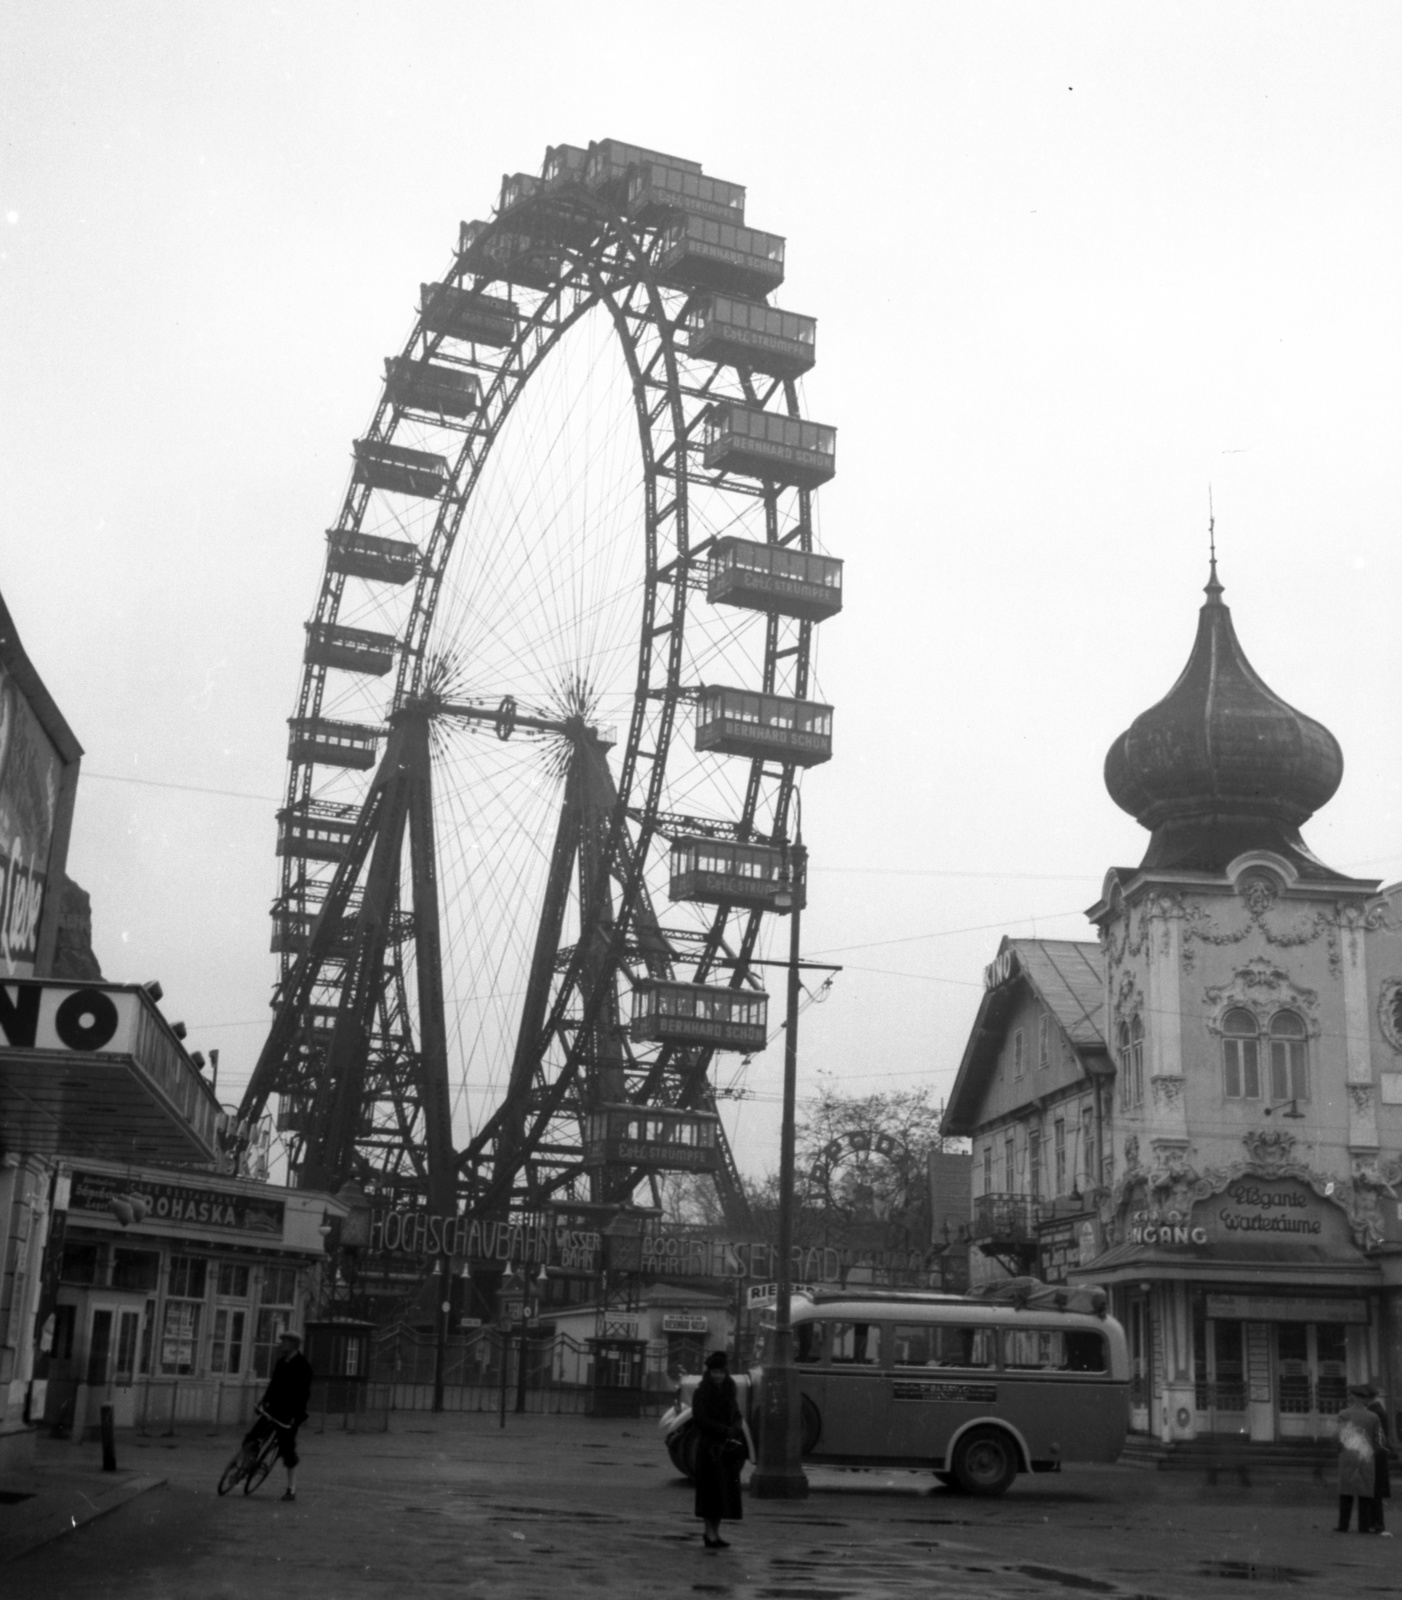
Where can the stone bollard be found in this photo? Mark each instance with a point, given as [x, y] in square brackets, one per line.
[109, 1438]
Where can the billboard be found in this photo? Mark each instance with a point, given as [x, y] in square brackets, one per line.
[31, 770]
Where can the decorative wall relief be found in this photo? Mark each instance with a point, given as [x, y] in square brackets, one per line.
[1129, 998]
[1270, 1153]
[1390, 1012]
[1201, 928]
[1262, 988]
[1167, 1091]
[1361, 1098]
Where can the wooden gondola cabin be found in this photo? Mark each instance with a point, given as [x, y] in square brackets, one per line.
[332, 744]
[697, 1014]
[432, 389]
[741, 722]
[367, 556]
[660, 1137]
[727, 872]
[767, 444]
[315, 830]
[329, 644]
[701, 253]
[400, 470]
[774, 577]
[460, 314]
[747, 334]
[610, 161]
[656, 191]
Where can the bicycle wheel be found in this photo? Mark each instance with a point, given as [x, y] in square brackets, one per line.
[262, 1466]
[232, 1473]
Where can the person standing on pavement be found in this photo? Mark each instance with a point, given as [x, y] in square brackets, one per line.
[721, 1450]
[1360, 1444]
[284, 1404]
[1382, 1474]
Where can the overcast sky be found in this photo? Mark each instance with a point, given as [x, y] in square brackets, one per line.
[1072, 264]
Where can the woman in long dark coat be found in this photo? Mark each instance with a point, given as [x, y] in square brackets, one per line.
[1360, 1442]
[721, 1450]
[1382, 1476]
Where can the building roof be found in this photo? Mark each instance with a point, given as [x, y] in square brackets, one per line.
[1222, 765]
[1066, 976]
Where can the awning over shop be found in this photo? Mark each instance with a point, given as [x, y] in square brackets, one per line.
[95, 1070]
[1240, 1265]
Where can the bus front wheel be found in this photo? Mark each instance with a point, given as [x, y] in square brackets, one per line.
[985, 1461]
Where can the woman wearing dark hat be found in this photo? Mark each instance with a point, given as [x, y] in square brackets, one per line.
[1360, 1444]
[721, 1451]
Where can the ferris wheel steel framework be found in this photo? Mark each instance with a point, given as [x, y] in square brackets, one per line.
[375, 1103]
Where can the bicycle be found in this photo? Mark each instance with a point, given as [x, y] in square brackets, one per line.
[254, 1460]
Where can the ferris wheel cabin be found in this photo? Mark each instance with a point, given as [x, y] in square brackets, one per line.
[609, 162]
[741, 722]
[661, 1137]
[519, 258]
[774, 577]
[699, 1014]
[315, 830]
[757, 337]
[367, 556]
[725, 872]
[656, 191]
[352, 649]
[460, 314]
[332, 744]
[400, 470]
[769, 445]
[563, 164]
[431, 388]
[699, 253]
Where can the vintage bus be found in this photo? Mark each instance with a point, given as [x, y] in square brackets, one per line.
[975, 1389]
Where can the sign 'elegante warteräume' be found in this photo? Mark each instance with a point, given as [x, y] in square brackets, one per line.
[1261, 1209]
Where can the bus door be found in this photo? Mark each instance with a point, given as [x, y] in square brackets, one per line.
[941, 1375]
[847, 1388]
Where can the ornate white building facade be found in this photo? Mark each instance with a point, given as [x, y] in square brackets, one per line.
[1246, 1213]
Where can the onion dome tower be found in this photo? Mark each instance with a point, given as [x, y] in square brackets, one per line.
[1222, 765]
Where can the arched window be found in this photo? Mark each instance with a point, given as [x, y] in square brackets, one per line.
[1289, 1060]
[1241, 1056]
[1130, 1049]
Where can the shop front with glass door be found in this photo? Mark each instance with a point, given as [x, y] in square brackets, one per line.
[1277, 1367]
[115, 1349]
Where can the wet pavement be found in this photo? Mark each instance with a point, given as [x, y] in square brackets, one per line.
[566, 1506]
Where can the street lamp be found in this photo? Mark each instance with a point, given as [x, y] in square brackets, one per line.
[779, 1474]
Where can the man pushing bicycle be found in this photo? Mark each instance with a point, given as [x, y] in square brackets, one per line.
[283, 1408]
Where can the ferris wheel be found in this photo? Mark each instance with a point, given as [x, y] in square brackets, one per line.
[557, 688]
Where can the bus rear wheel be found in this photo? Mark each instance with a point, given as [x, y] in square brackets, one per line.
[985, 1461]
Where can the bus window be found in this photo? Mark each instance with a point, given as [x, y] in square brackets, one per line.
[808, 1341]
[1085, 1352]
[1051, 1350]
[955, 1346]
[910, 1344]
[856, 1344]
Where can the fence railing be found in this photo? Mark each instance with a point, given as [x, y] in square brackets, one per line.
[479, 1367]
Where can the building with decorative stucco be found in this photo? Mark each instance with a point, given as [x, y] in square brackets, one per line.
[1237, 1176]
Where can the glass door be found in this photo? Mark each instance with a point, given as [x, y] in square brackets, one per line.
[1311, 1361]
[1219, 1375]
[124, 1367]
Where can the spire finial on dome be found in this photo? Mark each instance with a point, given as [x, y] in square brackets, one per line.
[1213, 591]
